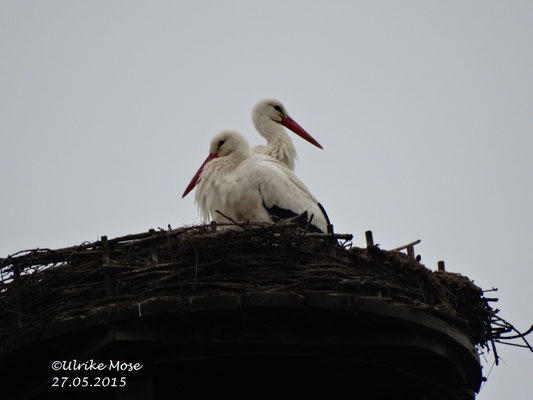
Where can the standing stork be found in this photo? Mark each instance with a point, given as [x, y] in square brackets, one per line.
[248, 187]
[269, 117]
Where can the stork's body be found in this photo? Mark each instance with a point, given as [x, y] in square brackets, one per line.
[250, 187]
[269, 117]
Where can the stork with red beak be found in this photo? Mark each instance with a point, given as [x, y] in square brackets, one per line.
[250, 187]
[269, 117]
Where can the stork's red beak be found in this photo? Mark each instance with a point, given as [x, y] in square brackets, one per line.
[288, 122]
[195, 178]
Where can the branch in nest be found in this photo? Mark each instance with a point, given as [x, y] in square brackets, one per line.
[520, 335]
[231, 220]
[405, 246]
[343, 236]
[498, 338]
[296, 220]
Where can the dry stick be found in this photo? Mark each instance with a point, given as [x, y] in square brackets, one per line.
[520, 335]
[344, 236]
[137, 236]
[441, 267]
[512, 328]
[514, 344]
[406, 246]
[369, 239]
[292, 221]
[232, 220]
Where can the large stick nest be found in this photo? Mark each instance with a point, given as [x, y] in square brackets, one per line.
[42, 286]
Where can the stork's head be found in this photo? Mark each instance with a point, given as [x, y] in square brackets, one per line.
[270, 111]
[228, 145]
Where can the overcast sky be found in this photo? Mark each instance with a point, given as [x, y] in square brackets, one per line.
[424, 109]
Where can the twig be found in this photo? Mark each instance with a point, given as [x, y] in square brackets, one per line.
[405, 246]
[231, 220]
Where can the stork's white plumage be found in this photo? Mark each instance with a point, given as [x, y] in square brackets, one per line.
[250, 187]
[269, 117]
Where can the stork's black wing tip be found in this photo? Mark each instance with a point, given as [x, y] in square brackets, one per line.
[325, 213]
[282, 213]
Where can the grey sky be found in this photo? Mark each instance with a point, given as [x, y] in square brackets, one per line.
[424, 109]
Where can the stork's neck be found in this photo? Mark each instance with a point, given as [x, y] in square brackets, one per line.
[223, 165]
[279, 144]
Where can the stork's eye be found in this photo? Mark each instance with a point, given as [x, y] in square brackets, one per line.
[278, 108]
[220, 143]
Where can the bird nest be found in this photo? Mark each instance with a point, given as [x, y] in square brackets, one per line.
[43, 286]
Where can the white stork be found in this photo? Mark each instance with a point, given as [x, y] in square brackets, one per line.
[250, 187]
[269, 117]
